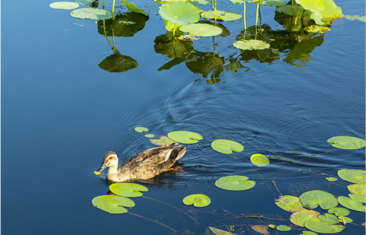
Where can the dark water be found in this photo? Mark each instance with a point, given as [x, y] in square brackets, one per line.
[61, 112]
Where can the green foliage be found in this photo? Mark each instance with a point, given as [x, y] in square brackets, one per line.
[323, 11]
[235, 183]
[113, 204]
[141, 129]
[316, 225]
[352, 17]
[351, 204]
[131, 6]
[353, 176]
[346, 219]
[181, 13]
[359, 198]
[312, 199]
[317, 29]
[185, 137]
[289, 203]
[359, 189]
[347, 142]
[91, 13]
[163, 141]
[64, 5]
[221, 15]
[198, 200]
[362, 18]
[308, 233]
[328, 218]
[259, 160]
[339, 211]
[251, 45]
[149, 136]
[300, 217]
[84, 2]
[331, 179]
[127, 189]
[201, 29]
[283, 228]
[272, 226]
[226, 146]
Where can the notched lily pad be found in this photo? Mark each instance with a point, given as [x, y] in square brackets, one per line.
[343, 219]
[319, 226]
[127, 189]
[226, 146]
[283, 228]
[251, 45]
[185, 137]
[259, 160]
[198, 200]
[312, 199]
[308, 233]
[351, 204]
[317, 29]
[289, 203]
[235, 183]
[221, 15]
[353, 176]
[359, 189]
[141, 129]
[91, 13]
[331, 179]
[328, 218]
[300, 217]
[347, 142]
[64, 5]
[113, 204]
[339, 211]
[201, 30]
[163, 141]
[359, 198]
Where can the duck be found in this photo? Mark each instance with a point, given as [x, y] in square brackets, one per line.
[142, 166]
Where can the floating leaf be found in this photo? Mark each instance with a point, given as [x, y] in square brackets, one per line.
[226, 146]
[91, 13]
[300, 217]
[163, 141]
[351, 204]
[323, 11]
[182, 13]
[283, 228]
[127, 189]
[352, 17]
[235, 183]
[347, 142]
[359, 189]
[251, 45]
[185, 137]
[201, 29]
[141, 129]
[328, 218]
[339, 211]
[149, 136]
[272, 226]
[64, 5]
[312, 199]
[262, 229]
[113, 204]
[308, 233]
[259, 160]
[319, 226]
[331, 179]
[359, 198]
[198, 200]
[346, 219]
[289, 203]
[84, 2]
[362, 18]
[353, 176]
[221, 15]
[216, 231]
[131, 6]
[274, 3]
[317, 29]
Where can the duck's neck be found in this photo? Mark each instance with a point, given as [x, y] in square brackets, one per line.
[117, 176]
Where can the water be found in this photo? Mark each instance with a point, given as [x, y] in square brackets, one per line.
[61, 112]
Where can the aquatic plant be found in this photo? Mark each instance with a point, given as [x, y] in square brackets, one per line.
[235, 183]
[347, 142]
[353, 176]
[226, 146]
[64, 5]
[322, 11]
[315, 198]
[185, 137]
[113, 204]
[198, 200]
[127, 189]
[141, 129]
[259, 160]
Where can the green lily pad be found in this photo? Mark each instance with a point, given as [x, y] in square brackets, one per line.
[91, 13]
[221, 15]
[226, 146]
[64, 5]
[359, 198]
[259, 160]
[251, 45]
[312, 199]
[289, 203]
[198, 200]
[113, 204]
[163, 141]
[316, 225]
[182, 13]
[328, 218]
[358, 189]
[234, 183]
[185, 137]
[283, 228]
[331, 179]
[201, 29]
[300, 217]
[362, 18]
[127, 189]
[149, 136]
[347, 142]
[351, 204]
[346, 219]
[352, 17]
[131, 6]
[317, 29]
[272, 226]
[308, 233]
[353, 176]
[323, 11]
[141, 129]
[339, 211]
[84, 2]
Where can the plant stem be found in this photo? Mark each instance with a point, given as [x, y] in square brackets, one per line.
[215, 12]
[103, 3]
[113, 8]
[256, 22]
[174, 31]
[152, 221]
[245, 22]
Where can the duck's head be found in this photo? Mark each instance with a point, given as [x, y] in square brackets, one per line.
[110, 159]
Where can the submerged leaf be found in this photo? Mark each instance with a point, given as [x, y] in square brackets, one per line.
[235, 183]
[353, 176]
[259, 160]
[339, 211]
[347, 142]
[127, 189]
[185, 137]
[163, 141]
[221, 15]
[289, 203]
[141, 129]
[331, 179]
[283, 228]
[262, 229]
[113, 204]
[198, 200]
[300, 217]
[201, 29]
[226, 146]
[64, 5]
[312, 199]
[216, 231]
[251, 45]
[351, 204]
[91, 13]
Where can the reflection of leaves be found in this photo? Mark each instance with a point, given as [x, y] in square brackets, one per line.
[288, 21]
[118, 63]
[172, 48]
[204, 63]
[121, 29]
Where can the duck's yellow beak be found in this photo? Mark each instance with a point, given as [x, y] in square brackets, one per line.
[101, 169]
[96, 173]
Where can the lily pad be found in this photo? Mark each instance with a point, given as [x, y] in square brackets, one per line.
[319, 226]
[358, 189]
[274, 3]
[289, 203]
[347, 142]
[201, 29]
[127, 189]
[352, 17]
[259, 160]
[131, 6]
[353, 176]
[323, 11]
[182, 13]
[216, 231]
[185, 137]
[362, 18]
[300, 217]
[84, 2]
[163, 141]
[346, 219]
[331, 179]
[359, 198]
[272, 226]
[317, 29]
[113, 204]
[308, 233]
[251, 45]
[351, 204]
[141, 129]
[312, 199]
[226, 146]
[328, 218]
[198, 200]
[339, 211]
[64, 5]
[235, 183]
[262, 229]
[91, 13]
[149, 136]
[221, 15]
[283, 228]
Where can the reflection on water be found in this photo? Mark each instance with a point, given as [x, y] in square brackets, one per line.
[118, 63]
